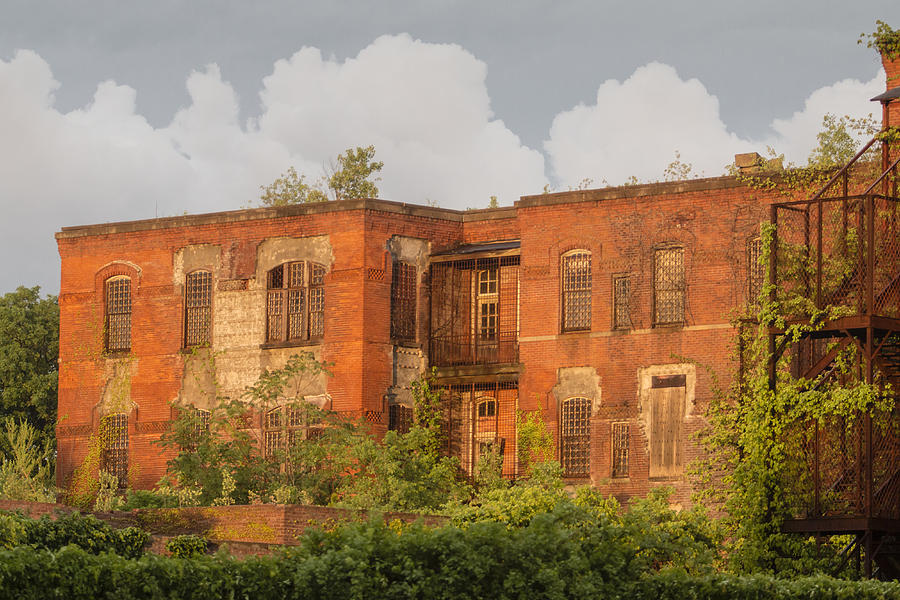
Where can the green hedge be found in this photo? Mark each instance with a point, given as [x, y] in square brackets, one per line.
[374, 561]
[86, 532]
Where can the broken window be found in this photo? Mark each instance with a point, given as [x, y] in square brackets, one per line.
[118, 314]
[400, 418]
[576, 290]
[197, 309]
[403, 302]
[620, 449]
[575, 437]
[668, 286]
[667, 395]
[622, 302]
[295, 305]
[113, 436]
[756, 275]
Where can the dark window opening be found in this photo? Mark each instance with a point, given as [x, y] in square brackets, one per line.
[668, 286]
[295, 306]
[620, 450]
[114, 447]
[197, 309]
[575, 437]
[118, 314]
[622, 302]
[403, 302]
[576, 291]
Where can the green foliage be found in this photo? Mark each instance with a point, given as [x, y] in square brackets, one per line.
[187, 546]
[493, 203]
[26, 470]
[351, 177]
[29, 348]
[86, 532]
[108, 498]
[884, 39]
[839, 139]
[148, 499]
[535, 440]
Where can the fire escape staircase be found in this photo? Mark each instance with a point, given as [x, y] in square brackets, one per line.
[845, 244]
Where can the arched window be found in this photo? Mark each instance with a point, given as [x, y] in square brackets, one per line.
[114, 447]
[197, 309]
[118, 314]
[668, 286]
[295, 308]
[576, 290]
[575, 437]
[487, 408]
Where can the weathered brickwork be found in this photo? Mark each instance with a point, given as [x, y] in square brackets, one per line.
[674, 258]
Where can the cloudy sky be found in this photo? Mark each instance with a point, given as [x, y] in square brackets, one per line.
[115, 110]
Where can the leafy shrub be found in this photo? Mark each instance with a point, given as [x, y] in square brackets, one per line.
[26, 463]
[148, 499]
[12, 530]
[87, 532]
[187, 546]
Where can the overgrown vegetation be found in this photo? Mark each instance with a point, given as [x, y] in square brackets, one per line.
[26, 470]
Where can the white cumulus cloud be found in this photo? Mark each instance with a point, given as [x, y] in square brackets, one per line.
[636, 126]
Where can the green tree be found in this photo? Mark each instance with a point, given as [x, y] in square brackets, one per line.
[352, 176]
[26, 463]
[29, 352]
[839, 139]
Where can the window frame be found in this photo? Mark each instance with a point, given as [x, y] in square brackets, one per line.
[206, 304]
[756, 272]
[292, 419]
[620, 437]
[575, 437]
[124, 307]
[113, 434]
[308, 297]
[570, 289]
[404, 301]
[616, 292]
[678, 288]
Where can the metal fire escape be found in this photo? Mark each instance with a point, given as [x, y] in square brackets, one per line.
[840, 250]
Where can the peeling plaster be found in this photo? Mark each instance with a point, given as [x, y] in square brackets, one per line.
[191, 258]
[578, 382]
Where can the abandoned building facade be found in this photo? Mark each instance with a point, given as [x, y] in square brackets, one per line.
[608, 310]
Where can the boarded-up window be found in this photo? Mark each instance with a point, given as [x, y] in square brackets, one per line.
[667, 397]
[118, 314]
[295, 304]
[197, 309]
[756, 276]
[668, 286]
[113, 436]
[576, 290]
[622, 302]
[575, 437]
[400, 418]
[620, 449]
[403, 302]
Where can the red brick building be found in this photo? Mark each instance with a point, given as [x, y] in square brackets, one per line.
[601, 307]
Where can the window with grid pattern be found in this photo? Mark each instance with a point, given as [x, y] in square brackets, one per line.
[118, 314]
[487, 304]
[668, 286]
[114, 444]
[576, 290]
[622, 302]
[403, 302]
[575, 437]
[284, 425]
[400, 418]
[756, 275]
[620, 449]
[295, 305]
[197, 309]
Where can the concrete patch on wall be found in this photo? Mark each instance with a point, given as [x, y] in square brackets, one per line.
[577, 382]
[192, 258]
[414, 251]
[116, 395]
[408, 365]
[199, 387]
[275, 251]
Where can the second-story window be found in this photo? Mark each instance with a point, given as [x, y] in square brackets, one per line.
[576, 290]
[621, 302]
[118, 314]
[668, 286]
[197, 309]
[403, 302]
[756, 275]
[295, 305]
[487, 300]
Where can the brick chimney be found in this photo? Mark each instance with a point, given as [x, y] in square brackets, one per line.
[891, 98]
